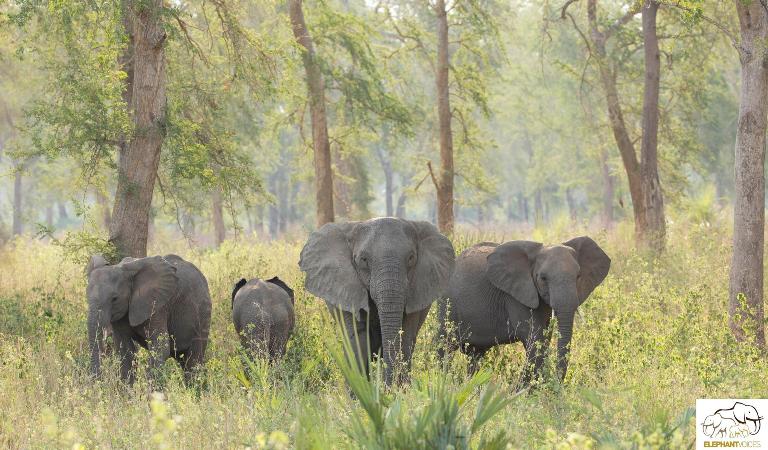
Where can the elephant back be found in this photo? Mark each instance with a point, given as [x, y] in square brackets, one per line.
[469, 284]
[262, 302]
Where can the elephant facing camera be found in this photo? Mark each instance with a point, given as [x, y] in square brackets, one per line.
[505, 293]
[161, 303]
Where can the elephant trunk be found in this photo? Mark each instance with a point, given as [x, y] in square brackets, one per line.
[754, 426]
[565, 328]
[99, 328]
[388, 292]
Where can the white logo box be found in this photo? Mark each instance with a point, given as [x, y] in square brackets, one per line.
[731, 423]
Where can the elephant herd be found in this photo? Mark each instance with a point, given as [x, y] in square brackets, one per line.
[377, 277]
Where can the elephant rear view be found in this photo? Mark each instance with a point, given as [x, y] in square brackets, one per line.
[161, 303]
[263, 314]
[504, 293]
[383, 274]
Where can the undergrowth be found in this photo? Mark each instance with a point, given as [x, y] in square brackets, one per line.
[651, 339]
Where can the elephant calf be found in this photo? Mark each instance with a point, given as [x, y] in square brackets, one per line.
[263, 315]
[507, 293]
[161, 303]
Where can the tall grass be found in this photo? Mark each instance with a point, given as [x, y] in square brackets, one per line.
[650, 340]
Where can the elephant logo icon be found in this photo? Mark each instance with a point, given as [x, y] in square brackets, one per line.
[738, 421]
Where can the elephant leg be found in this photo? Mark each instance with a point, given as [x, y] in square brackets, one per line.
[195, 356]
[536, 345]
[411, 325]
[126, 350]
[442, 339]
[277, 343]
[158, 342]
[358, 333]
[475, 354]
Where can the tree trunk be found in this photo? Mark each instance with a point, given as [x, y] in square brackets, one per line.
[642, 176]
[274, 208]
[746, 279]
[386, 166]
[282, 200]
[608, 191]
[258, 224]
[217, 216]
[18, 197]
[49, 216]
[444, 186]
[538, 208]
[400, 209]
[63, 215]
[523, 205]
[653, 230]
[138, 162]
[572, 213]
[316, 89]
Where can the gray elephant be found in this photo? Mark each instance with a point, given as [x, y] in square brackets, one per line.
[159, 303]
[506, 293]
[383, 274]
[262, 312]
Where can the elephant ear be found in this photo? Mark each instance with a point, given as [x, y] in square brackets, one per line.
[237, 287]
[95, 262]
[510, 268]
[326, 259]
[434, 265]
[277, 281]
[154, 285]
[594, 264]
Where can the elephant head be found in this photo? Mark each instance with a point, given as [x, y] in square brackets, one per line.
[562, 276]
[400, 265]
[743, 414]
[136, 287]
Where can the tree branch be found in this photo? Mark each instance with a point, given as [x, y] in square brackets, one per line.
[432, 174]
[564, 9]
[723, 29]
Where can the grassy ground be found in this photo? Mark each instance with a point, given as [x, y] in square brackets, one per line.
[650, 340]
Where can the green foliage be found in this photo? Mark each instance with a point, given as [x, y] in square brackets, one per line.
[390, 424]
[76, 45]
[651, 339]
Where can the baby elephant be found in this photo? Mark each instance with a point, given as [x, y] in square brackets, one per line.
[263, 315]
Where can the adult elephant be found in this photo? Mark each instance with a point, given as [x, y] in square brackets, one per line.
[506, 293]
[383, 274]
[159, 303]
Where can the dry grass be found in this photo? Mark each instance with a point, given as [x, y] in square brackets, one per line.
[650, 340]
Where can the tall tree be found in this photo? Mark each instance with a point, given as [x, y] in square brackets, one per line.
[18, 199]
[642, 174]
[746, 280]
[444, 181]
[316, 91]
[138, 161]
[653, 223]
[217, 216]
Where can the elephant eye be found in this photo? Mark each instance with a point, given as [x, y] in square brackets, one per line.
[411, 259]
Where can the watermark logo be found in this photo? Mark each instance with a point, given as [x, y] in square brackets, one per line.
[731, 423]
